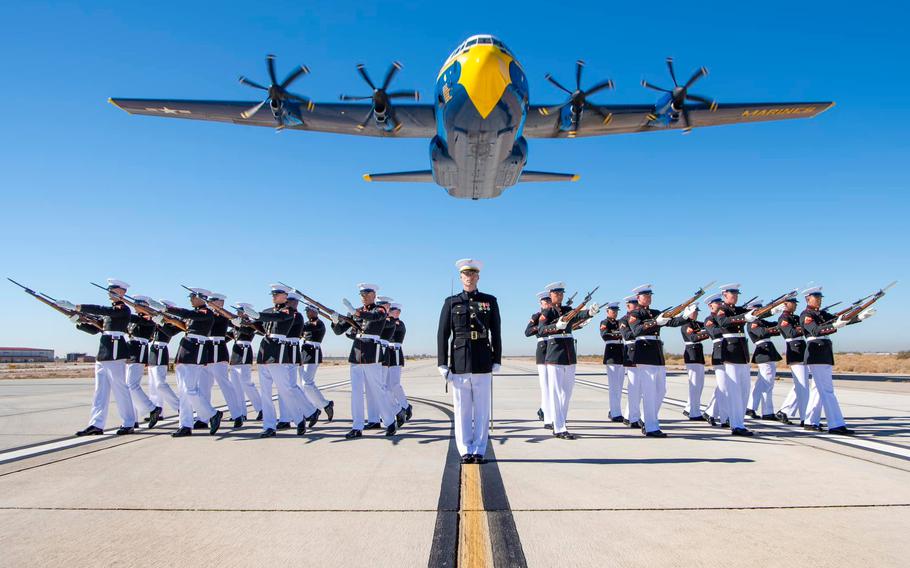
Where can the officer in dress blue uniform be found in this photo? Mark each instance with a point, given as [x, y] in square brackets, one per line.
[693, 334]
[731, 320]
[613, 359]
[632, 417]
[310, 359]
[394, 361]
[217, 364]
[540, 355]
[716, 411]
[141, 328]
[159, 358]
[797, 400]
[240, 370]
[765, 356]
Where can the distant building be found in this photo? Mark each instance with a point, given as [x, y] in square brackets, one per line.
[26, 355]
[79, 358]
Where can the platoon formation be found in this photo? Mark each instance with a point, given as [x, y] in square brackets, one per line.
[135, 334]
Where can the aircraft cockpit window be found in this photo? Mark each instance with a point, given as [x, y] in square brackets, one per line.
[485, 40]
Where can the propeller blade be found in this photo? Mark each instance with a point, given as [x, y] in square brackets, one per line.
[252, 110]
[578, 67]
[310, 105]
[550, 78]
[395, 68]
[293, 75]
[270, 63]
[248, 83]
[350, 98]
[704, 100]
[364, 122]
[696, 76]
[648, 85]
[608, 84]
[687, 127]
[404, 95]
[672, 72]
[363, 73]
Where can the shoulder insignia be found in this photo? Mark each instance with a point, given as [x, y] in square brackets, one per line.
[784, 323]
[754, 326]
[808, 319]
[721, 313]
[603, 327]
[689, 330]
[709, 323]
[543, 317]
[633, 319]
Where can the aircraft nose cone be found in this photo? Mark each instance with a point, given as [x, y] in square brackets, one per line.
[485, 76]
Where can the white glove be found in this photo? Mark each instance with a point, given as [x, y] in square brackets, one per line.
[156, 305]
[443, 370]
[75, 318]
[690, 309]
[661, 320]
[840, 322]
[349, 306]
[584, 323]
[159, 319]
[251, 313]
[335, 318]
[66, 305]
[751, 317]
[561, 324]
[237, 321]
[496, 367]
[866, 314]
[777, 310]
[593, 309]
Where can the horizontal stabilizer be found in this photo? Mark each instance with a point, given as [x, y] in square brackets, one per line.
[415, 176]
[546, 176]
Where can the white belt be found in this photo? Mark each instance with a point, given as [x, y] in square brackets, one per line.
[312, 343]
[394, 345]
[612, 342]
[539, 339]
[648, 338]
[818, 339]
[761, 341]
[693, 342]
[293, 340]
[717, 340]
[216, 339]
[561, 336]
[243, 342]
[159, 344]
[277, 336]
[734, 335]
[114, 334]
[195, 337]
[141, 340]
[383, 342]
[367, 336]
[629, 342]
[791, 339]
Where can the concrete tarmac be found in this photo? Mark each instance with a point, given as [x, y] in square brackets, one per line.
[610, 498]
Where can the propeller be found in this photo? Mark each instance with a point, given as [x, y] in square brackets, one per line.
[680, 93]
[382, 99]
[578, 99]
[277, 92]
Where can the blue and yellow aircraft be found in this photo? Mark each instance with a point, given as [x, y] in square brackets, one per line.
[480, 118]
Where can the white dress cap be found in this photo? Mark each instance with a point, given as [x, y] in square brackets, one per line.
[142, 299]
[613, 306]
[168, 303]
[633, 299]
[201, 292]
[543, 295]
[813, 291]
[293, 296]
[731, 287]
[383, 300]
[279, 288]
[217, 296]
[364, 286]
[395, 306]
[555, 286]
[468, 264]
[756, 303]
[643, 289]
[114, 283]
[714, 298]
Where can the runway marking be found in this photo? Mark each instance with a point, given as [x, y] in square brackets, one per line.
[38, 449]
[474, 548]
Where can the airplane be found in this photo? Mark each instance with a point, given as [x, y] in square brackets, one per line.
[480, 119]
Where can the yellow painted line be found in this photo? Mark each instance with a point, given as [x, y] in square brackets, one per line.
[474, 547]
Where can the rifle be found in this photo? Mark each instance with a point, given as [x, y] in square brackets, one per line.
[145, 309]
[857, 307]
[45, 299]
[326, 311]
[575, 311]
[673, 312]
[747, 302]
[571, 298]
[765, 310]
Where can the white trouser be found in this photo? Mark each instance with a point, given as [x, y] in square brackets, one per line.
[161, 389]
[275, 374]
[561, 380]
[395, 388]
[111, 375]
[242, 378]
[735, 382]
[615, 374]
[696, 373]
[300, 399]
[191, 396]
[312, 392]
[633, 399]
[763, 389]
[141, 401]
[798, 398]
[232, 395]
[545, 404]
[372, 407]
[823, 397]
[368, 377]
[717, 407]
[471, 394]
[653, 385]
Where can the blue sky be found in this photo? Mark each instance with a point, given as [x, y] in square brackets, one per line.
[89, 191]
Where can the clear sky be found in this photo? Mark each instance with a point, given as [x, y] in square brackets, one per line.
[89, 191]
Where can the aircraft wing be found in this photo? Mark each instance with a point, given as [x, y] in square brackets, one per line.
[624, 119]
[417, 120]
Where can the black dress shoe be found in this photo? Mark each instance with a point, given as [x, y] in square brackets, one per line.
[813, 427]
[625, 421]
[655, 434]
[90, 431]
[238, 422]
[618, 419]
[686, 413]
[725, 424]
[311, 419]
[155, 416]
[399, 419]
[283, 426]
[697, 418]
[741, 432]
[199, 425]
[548, 426]
[215, 422]
[182, 432]
[782, 418]
[258, 417]
[301, 428]
[769, 417]
[841, 430]
[268, 433]
[802, 423]
[135, 425]
[638, 425]
[354, 434]
[330, 411]
[408, 412]
[540, 414]
[565, 435]
[390, 431]
[751, 413]
[123, 430]
[372, 426]
[478, 458]
[467, 458]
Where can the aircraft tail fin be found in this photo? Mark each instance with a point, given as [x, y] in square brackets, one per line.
[546, 176]
[415, 176]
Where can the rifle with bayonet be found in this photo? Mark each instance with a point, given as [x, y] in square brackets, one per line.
[52, 302]
[571, 299]
[830, 306]
[148, 309]
[577, 309]
[858, 306]
[221, 311]
[766, 309]
[673, 312]
[325, 311]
